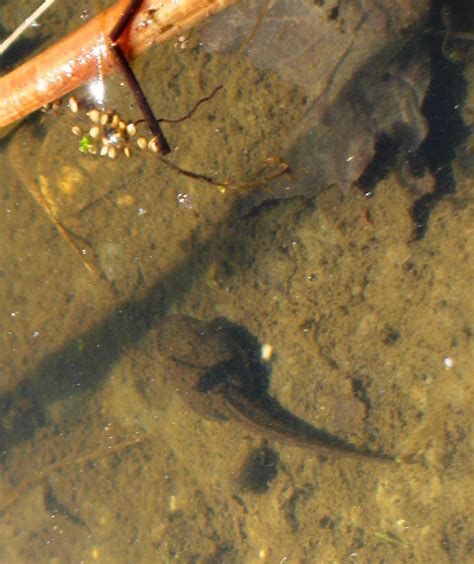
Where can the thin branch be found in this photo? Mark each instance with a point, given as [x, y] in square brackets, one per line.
[26, 24]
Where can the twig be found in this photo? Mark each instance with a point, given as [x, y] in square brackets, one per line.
[22, 27]
[64, 463]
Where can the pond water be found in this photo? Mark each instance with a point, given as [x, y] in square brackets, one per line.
[360, 294]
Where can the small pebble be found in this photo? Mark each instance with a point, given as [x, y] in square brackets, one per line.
[173, 503]
[266, 352]
[94, 132]
[56, 104]
[153, 145]
[94, 116]
[448, 362]
[73, 104]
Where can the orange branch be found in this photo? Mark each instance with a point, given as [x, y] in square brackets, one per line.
[84, 54]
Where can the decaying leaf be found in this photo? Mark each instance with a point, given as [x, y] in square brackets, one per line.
[362, 63]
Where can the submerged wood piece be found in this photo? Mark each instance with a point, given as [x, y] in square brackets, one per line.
[316, 45]
[380, 105]
[362, 67]
[84, 54]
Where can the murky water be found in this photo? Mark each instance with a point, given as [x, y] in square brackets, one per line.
[371, 333]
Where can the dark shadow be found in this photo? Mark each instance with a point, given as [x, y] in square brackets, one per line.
[82, 364]
[259, 470]
[442, 107]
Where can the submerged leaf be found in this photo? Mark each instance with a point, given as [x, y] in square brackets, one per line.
[363, 65]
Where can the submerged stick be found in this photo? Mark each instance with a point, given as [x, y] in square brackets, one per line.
[84, 54]
[30, 20]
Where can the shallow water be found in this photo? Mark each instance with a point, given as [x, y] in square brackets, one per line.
[371, 334]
